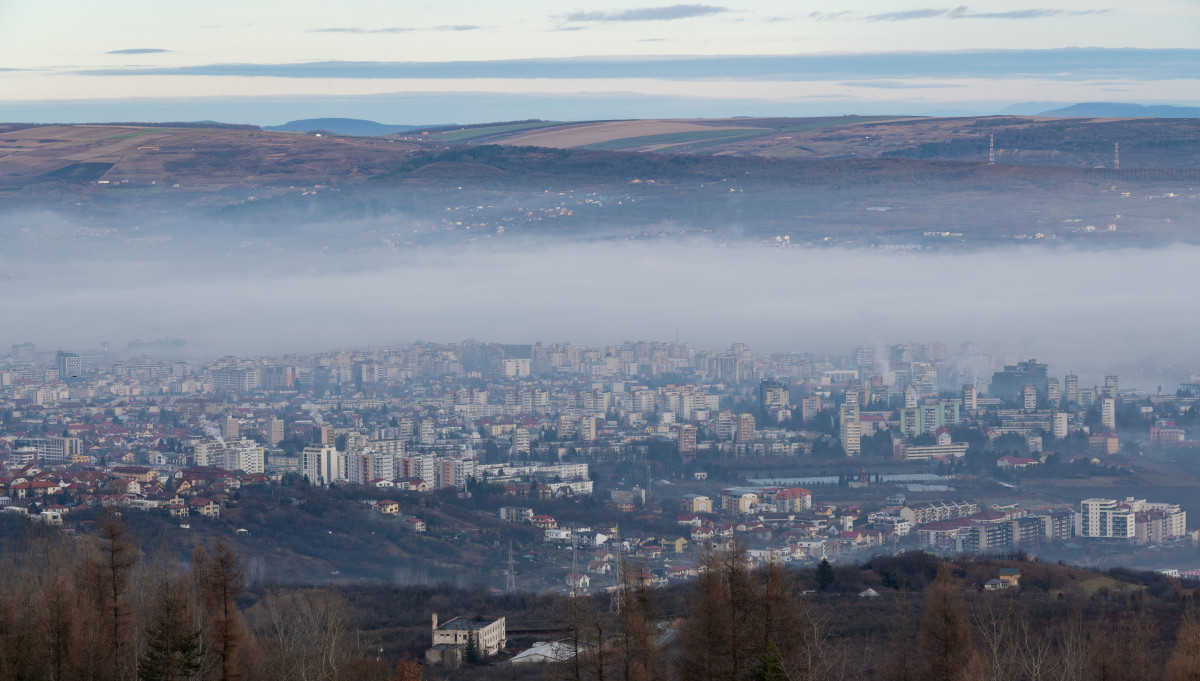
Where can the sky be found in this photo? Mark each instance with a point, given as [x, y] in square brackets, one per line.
[267, 62]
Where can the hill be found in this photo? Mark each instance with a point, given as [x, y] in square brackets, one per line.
[897, 182]
[1020, 140]
[196, 156]
[1120, 110]
[354, 127]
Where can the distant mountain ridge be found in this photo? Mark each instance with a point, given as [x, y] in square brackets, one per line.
[1121, 110]
[356, 127]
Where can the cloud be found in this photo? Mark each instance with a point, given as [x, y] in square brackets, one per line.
[391, 29]
[897, 85]
[829, 16]
[1079, 64]
[138, 50]
[667, 13]
[964, 12]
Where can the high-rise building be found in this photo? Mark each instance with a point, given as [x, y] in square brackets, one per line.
[1072, 389]
[1108, 412]
[274, 430]
[970, 397]
[810, 407]
[1029, 397]
[23, 352]
[1008, 383]
[746, 428]
[587, 428]
[323, 434]
[426, 434]
[70, 366]
[773, 394]
[923, 377]
[1053, 392]
[1111, 384]
[851, 428]
[1104, 518]
[321, 464]
[522, 441]
[210, 453]
[725, 425]
[1060, 425]
[246, 455]
[687, 442]
[230, 429]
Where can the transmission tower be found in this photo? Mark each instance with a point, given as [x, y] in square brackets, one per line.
[510, 582]
[1116, 155]
[992, 149]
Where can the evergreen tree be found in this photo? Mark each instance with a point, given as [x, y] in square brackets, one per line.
[173, 640]
[471, 650]
[825, 576]
[769, 666]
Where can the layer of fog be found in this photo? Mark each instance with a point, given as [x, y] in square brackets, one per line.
[1091, 311]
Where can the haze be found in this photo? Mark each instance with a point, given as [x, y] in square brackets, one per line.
[1085, 309]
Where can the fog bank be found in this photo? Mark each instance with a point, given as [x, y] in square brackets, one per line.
[1077, 309]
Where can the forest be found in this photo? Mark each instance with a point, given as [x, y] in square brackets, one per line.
[98, 606]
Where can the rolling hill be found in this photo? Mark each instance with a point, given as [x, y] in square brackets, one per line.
[353, 127]
[1022, 140]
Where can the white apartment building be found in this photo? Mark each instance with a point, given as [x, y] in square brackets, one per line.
[1105, 519]
[321, 464]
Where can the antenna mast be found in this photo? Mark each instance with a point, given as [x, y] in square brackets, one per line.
[992, 149]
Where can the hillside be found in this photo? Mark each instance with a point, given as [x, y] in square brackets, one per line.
[197, 157]
[1021, 140]
[150, 187]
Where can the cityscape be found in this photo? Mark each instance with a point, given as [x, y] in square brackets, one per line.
[748, 340]
[656, 450]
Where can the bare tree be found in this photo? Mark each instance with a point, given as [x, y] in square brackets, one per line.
[994, 621]
[220, 578]
[114, 562]
[900, 660]
[1184, 664]
[944, 641]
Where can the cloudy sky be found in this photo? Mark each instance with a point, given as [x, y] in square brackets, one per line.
[423, 62]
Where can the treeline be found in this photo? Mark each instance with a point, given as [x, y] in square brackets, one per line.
[733, 623]
[96, 607]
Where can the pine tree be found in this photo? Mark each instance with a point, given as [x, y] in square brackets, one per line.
[174, 641]
[825, 576]
[769, 666]
[471, 650]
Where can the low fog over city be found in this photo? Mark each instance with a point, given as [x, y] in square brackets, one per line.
[1086, 308]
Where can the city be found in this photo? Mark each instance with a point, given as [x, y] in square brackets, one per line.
[654, 450]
